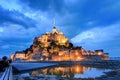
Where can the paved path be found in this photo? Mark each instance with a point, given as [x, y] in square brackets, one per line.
[24, 66]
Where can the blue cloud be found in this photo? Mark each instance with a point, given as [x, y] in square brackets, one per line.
[14, 17]
[25, 19]
[45, 5]
[106, 38]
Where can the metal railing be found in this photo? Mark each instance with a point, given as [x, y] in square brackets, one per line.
[7, 74]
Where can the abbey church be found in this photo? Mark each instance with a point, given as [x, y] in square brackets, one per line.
[56, 36]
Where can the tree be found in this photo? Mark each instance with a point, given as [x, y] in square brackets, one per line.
[70, 45]
[5, 62]
[4, 58]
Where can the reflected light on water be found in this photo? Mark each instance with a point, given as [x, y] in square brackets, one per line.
[73, 71]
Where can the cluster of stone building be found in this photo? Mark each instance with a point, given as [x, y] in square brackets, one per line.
[55, 46]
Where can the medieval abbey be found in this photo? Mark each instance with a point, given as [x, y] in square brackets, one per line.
[55, 46]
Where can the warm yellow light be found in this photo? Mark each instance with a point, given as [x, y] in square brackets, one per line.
[77, 69]
[76, 53]
[63, 41]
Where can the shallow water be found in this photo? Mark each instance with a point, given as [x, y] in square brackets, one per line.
[73, 71]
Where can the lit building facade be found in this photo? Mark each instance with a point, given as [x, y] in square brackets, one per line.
[55, 46]
[55, 35]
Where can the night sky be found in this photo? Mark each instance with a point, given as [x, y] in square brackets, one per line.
[93, 24]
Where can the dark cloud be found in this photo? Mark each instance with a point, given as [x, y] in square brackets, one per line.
[37, 4]
[97, 11]
[81, 12]
[54, 6]
[15, 17]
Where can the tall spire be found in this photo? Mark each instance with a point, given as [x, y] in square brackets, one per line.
[54, 23]
[54, 27]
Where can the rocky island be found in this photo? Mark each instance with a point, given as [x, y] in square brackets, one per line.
[55, 46]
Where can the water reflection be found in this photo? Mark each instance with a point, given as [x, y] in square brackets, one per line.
[73, 71]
